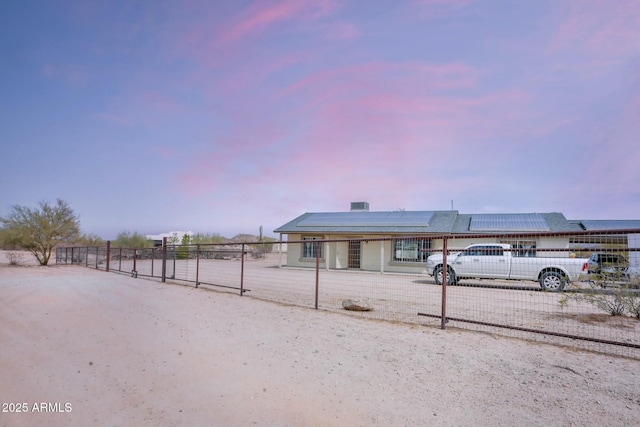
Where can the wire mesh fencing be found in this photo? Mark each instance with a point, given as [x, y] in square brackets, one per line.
[579, 289]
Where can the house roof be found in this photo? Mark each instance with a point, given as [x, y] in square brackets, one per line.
[421, 222]
[512, 222]
[395, 222]
[609, 224]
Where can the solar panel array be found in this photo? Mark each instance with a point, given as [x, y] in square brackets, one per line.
[368, 219]
[508, 222]
[610, 224]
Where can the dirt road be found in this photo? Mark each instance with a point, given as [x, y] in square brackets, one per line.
[84, 347]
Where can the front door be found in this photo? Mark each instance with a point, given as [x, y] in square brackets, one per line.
[354, 253]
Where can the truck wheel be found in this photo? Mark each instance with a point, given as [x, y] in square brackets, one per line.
[552, 281]
[451, 276]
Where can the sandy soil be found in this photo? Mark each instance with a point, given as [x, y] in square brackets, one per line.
[105, 349]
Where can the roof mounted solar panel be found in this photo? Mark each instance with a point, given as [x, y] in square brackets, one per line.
[368, 219]
[508, 222]
[610, 224]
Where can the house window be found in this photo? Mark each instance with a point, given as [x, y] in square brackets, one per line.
[411, 250]
[522, 248]
[309, 247]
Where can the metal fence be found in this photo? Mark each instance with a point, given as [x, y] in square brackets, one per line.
[578, 289]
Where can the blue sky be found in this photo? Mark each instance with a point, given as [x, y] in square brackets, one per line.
[222, 116]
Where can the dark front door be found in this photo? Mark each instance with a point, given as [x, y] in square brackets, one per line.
[354, 253]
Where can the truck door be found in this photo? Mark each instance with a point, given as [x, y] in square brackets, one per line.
[469, 263]
[497, 262]
[483, 261]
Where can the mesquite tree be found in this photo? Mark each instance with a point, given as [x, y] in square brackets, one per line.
[40, 230]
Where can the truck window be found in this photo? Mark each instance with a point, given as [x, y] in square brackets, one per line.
[488, 250]
[521, 248]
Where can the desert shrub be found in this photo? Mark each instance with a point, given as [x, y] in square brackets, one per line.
[15, 258]
[200, 238]
[135, 240]
[182, 251]
[608, 296]
[89, 240]
[632, 305]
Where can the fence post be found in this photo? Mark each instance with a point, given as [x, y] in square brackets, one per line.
[134, 273]
[318, 246]
[443, 317]
[242, 271]
[197, 263]
[164, 259]
[108, 253]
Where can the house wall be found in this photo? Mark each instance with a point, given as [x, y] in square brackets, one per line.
[554, 243]
[377, 255]
[294, 252]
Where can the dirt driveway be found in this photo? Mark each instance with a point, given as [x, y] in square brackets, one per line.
[84, 347]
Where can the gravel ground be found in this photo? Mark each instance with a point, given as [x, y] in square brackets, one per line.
[83, 347]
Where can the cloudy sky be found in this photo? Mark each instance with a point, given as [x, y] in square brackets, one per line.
[222, 116]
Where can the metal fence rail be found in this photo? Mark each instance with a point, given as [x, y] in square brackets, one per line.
[396, 282]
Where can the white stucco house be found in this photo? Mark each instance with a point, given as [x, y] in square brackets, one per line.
[400, 241]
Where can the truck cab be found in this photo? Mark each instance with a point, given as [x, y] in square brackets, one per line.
[483, 261]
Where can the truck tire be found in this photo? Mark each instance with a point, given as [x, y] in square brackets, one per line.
[451, 276]
[552, 281]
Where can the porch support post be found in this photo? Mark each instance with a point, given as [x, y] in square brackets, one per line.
[327, 256]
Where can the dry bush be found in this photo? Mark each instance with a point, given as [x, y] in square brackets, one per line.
[614, 297]
[15, 258]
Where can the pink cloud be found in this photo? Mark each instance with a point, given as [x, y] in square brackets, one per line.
[342, 31]
[260, 16]
[348, 130]
[364, 76]
[605, 30]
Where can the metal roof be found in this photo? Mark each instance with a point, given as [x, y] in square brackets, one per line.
[508, 222]
[421, 222]
[368, 219]
[610, 224]
[395, 222]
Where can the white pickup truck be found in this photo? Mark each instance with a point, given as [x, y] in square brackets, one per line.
[496, 261]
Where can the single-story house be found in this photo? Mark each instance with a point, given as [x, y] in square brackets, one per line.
[401, 241]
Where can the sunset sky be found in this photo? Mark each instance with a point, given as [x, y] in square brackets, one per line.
[222, 116]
